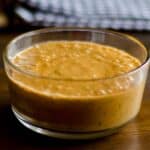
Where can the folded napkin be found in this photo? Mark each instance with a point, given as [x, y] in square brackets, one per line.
[116, 14]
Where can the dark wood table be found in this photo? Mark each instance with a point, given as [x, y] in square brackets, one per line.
[13, 136]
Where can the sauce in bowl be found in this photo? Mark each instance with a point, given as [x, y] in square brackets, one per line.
[76, 89]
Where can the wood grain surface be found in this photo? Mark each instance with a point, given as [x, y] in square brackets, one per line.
[13, 136]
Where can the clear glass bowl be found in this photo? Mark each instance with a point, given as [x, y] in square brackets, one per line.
[74, 117]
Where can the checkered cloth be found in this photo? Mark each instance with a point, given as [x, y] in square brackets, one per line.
[116, 14]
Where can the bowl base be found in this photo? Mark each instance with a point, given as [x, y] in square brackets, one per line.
[63, 135]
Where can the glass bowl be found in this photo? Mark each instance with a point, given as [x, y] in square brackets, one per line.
[72, 116]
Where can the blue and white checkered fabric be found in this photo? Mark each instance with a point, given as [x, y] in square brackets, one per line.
[116, 14]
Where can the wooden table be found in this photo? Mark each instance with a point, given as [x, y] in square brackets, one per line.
[13, 136]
